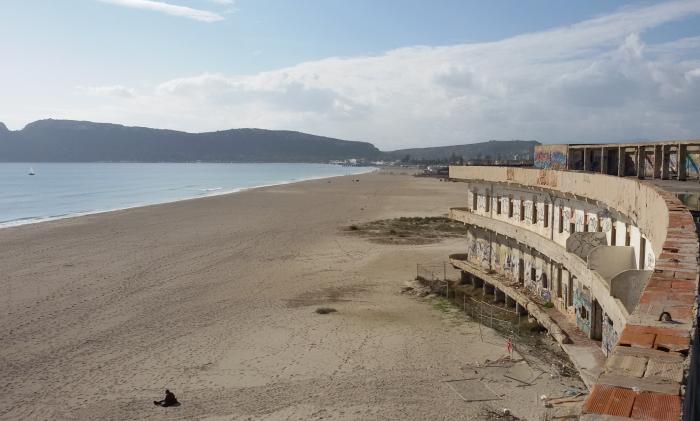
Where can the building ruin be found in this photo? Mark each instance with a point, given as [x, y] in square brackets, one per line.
[615, 256]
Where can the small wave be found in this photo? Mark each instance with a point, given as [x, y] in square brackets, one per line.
[212, 189]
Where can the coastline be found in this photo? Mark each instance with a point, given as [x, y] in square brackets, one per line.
[215, 299]
[213, 193]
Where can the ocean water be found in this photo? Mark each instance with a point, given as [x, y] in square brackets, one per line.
[61, 190]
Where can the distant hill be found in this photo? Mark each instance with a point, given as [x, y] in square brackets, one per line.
[84, 141]
[493, 149]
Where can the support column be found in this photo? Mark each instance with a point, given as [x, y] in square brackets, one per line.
[665, 161]
[603, 160]
[586, 160]
[658, 158]
[640, 162]
[620, 162]
[682, 169]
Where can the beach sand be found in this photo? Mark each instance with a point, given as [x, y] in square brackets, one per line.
[215, 299]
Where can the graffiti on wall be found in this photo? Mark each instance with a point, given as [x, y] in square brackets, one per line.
[480, 202]
[547, 178]
[579, 220]
[480, 252]
[592, 222]
[692, 161]
[516, 209]
[649, 159]
[567, 218]
[551, 157]
[546, 295]
[582, 303]
[510, 266]
[650, 261]
[610, 336]
[673, 163]
[528, 212]
[540, 213]
[604, 220]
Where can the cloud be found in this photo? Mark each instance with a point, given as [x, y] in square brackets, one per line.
[593, 81]
[170, 9]
[117, 91]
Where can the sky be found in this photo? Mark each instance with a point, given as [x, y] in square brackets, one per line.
[397, 73]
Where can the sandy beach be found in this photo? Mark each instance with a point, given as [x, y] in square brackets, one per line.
[215, 299]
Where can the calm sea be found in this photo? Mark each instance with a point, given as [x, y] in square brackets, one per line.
[60, 190]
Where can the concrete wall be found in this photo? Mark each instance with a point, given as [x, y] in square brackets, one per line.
[627, 286]
[638, 201]
[555, 216]
[609, 261]
[544, 257]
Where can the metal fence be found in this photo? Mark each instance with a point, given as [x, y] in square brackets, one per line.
[432, 272]
[438, 277]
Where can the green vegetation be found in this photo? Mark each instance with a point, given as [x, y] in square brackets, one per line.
[443, 304]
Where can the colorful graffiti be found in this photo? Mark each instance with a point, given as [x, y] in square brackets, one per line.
[479, 251]
[692, 163]
[610, 336]
[551, 156]
[582, 303]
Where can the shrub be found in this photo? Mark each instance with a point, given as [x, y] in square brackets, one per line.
[325, 310]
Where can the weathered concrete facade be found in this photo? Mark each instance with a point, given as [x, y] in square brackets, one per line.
[611, 254]
[654, 160]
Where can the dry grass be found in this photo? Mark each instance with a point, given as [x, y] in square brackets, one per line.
[409, 230]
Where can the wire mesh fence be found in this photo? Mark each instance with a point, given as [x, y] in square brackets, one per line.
[442, 279]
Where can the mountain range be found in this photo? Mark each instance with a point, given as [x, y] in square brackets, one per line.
[83, 141]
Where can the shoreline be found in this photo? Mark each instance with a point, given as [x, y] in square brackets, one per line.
[216, 301]
[37, 220]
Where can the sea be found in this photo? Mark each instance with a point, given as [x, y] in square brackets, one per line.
[64, 190]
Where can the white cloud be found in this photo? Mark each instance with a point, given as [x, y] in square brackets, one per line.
[117, 91]
[593, 81]
[170, 9]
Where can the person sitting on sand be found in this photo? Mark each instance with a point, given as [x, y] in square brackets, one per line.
[169, 400]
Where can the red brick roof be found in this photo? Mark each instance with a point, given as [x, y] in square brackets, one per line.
[673, 288]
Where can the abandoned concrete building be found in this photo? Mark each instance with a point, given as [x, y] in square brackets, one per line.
[608, 265]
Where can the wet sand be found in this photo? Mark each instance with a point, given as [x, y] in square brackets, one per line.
[215, 299]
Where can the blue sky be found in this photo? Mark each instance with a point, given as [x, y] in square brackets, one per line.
[397, 73]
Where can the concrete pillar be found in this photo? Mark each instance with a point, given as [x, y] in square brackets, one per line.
[658, 157]
[682, 169]
[665, 161]
[586, 160]
[640, 162]
[620, 162]
[603, 160]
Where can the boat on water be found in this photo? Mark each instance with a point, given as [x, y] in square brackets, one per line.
[31, 171]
